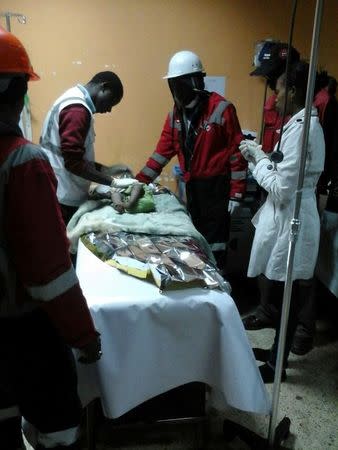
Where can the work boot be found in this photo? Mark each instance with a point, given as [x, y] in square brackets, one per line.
[301, 345]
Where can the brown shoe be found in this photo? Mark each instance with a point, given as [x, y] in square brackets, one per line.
[254, 323]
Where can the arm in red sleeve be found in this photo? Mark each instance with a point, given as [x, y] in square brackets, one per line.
[237, 163]
[39, 247]
[162, 155]
[74, 124]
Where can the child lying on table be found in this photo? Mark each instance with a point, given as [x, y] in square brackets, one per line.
[126, 193]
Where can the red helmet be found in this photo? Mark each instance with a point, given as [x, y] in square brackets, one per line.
[13, 56]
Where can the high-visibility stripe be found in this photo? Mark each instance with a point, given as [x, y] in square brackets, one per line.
[22, 155]
[239, 175]
[159, 159]
[149, 172]
[63, 437]
[45, 139]
[218, 246]
[8, 413]
[216, 116]
[55, 287]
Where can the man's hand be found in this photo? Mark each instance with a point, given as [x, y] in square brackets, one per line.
[91, 352]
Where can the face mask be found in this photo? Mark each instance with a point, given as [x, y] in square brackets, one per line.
[183, 89]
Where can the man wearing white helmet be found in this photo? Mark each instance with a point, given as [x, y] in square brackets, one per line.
[204, 133]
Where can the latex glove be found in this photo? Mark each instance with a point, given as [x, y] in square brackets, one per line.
[233, 206]
[123, 182]
[252, 151]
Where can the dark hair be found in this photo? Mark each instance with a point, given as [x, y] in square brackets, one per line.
[298, 78]
[332, 86]
[112, 81]
[15, 91]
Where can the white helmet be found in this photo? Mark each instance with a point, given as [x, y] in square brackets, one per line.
[183, 63]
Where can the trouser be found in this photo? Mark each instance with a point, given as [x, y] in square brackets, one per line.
[301, 289]
[38, 381]
[268, 312]
[207, 203]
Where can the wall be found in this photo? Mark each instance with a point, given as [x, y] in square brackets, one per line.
[71, 40]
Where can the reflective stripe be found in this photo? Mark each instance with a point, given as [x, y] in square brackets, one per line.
[218, 246]
[216, 116]
[56, 287]
[159, 158]
[21, 155]
[240, 175]
[174, 123]
[45, 140]
[149, 172]
[8, 413]
[64, 437]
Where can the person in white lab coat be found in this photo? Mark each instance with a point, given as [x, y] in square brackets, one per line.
[270, 246]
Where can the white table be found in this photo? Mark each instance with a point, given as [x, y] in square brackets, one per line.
[153, 342]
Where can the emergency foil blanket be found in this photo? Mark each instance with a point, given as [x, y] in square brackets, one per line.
[169, 261]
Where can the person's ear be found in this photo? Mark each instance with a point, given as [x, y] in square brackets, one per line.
[292, 92]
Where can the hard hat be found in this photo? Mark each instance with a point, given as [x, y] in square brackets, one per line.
[184, 63]
[13, 57]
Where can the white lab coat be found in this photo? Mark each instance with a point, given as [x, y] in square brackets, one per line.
[272, 221]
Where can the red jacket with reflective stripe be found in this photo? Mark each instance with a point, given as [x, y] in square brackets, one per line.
[33, 240]
[272, 125]
[215, 150]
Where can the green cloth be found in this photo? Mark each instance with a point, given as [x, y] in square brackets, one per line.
[144, 204]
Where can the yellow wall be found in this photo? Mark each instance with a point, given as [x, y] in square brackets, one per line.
[71, 40]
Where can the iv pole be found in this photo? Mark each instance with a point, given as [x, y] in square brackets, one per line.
[295, 222]
[8, 15]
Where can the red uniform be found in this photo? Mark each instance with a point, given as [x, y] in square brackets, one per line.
[213, 167]
[34, 245]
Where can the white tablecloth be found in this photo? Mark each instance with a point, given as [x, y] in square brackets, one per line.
[153, 342]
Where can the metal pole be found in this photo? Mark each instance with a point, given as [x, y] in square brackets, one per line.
[263, 111]
[8, 21]
[8, 15]
[295, 222]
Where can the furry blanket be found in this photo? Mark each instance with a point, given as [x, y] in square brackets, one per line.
[170, 218]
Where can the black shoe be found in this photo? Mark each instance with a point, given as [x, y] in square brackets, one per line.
[263, 355]
[268, 374]
[302, 345]
[254, 323]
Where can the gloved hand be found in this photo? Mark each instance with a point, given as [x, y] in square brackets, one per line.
[233, 206]
[252, 151]
[123, 182]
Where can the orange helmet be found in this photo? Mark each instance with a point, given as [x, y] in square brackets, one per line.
[13, 56]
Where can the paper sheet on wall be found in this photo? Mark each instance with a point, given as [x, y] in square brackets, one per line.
[215, 84]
